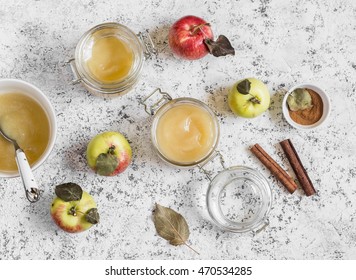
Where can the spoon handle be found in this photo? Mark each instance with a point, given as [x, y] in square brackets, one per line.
[28, 180]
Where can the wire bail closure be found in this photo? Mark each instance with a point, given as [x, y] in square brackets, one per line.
[151, 109]
[262, 228]
[209, 173]
[148, 44]
[77, 78]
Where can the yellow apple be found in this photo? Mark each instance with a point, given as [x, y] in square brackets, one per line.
[249, 98]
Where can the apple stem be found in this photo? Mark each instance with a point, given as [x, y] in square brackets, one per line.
[199, 27]
[111, 150]
[72, 211]
[253, 99]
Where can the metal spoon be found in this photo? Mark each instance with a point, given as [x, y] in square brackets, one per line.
[28, 180]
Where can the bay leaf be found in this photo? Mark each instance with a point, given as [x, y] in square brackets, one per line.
[92, 216]
[220, 47]
[69, 192]
[299, 99]
[170, 225]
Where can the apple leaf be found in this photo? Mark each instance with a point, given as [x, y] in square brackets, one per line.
[244, 87]
[69, 192]
[220, 47]
[171, 226]
[106, 163]
[92, 216]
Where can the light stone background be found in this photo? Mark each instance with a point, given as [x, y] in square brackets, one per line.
[281, 42]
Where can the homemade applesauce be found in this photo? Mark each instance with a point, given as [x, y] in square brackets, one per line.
[111, 59]
[186, 133]
[24, 120]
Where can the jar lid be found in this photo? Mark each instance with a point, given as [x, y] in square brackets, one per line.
[239, 199]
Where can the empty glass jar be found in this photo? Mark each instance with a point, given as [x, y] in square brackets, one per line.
[239, 199]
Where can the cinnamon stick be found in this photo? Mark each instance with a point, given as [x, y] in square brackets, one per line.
[274, 167]
[298, 167]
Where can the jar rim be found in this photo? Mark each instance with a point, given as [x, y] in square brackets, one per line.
[171, 104]
[213, 199]
[122, 84]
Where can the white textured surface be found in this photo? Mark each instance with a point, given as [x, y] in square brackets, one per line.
[281, 42]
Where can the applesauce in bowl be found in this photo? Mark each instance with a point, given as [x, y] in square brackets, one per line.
[27, 116]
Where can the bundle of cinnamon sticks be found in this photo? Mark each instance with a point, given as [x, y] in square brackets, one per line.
[279, 172]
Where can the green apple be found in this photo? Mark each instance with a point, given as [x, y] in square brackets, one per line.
[249, 98]
[73, 210]
[109, 153]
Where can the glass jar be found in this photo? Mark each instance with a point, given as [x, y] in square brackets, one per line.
[163, 106]
[238, 198]
[140, 45]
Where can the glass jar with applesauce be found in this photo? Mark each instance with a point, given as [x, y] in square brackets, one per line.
[109, 58]
[185, 134]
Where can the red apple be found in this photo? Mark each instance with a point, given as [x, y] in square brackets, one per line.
[109, 153]
[73, 210]
[186, 37]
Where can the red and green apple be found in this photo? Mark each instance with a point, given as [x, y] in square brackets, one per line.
[73, 209]
[109, 153]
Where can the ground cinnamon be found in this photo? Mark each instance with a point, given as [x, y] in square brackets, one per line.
[274, 167]
[309, 116]
[298, 167]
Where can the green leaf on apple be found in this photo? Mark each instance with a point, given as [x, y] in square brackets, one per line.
[92, 216]
[106, 163]
[244, 87]
[69, 192]
[220, 47]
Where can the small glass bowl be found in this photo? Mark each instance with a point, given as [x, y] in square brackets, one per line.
[239, 199]
[83, 53]
[177, 102]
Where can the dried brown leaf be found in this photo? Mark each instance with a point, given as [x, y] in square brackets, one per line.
[170, 225]
[220, 47]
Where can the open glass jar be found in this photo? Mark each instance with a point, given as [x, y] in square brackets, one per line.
[238, 198]
[185, 131]
[109, 58]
